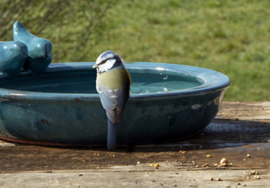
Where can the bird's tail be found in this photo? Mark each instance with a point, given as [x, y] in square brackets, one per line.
[111, 136]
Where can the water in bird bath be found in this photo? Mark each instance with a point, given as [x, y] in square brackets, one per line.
[83, 81]
[149, 81]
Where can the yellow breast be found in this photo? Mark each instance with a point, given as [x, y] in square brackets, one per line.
[114, 79]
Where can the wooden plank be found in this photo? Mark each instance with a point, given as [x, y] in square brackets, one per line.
[258, 111]
[239, 129]
[138, 178]
[222, 138]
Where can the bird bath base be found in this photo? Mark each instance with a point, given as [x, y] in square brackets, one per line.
[61, 107]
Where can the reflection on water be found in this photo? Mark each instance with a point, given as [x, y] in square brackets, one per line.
[143, 81]
[159, 87]
[161, 81]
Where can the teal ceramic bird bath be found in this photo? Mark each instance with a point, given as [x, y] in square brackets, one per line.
[61, 106]
[12, 57]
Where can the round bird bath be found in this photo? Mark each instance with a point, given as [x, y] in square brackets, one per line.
[62, 107]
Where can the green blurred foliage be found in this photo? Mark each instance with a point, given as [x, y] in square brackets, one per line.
[229, 36]
[73, 27]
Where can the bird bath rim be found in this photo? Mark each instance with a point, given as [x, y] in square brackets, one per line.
[211, 81]
[78, 119]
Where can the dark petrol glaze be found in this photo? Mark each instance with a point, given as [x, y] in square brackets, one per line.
[61, 106]
[12, 57]
[39, 49]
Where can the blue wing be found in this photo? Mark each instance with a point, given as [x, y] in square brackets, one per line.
[113, 101]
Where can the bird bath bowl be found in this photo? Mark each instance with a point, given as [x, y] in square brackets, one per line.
[61, 106]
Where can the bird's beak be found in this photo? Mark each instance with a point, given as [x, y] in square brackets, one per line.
[95, 66]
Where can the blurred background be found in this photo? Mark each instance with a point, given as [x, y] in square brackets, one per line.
[232, 37]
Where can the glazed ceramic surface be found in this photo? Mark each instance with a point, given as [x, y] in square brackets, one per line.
[61, 106]
[12, 57]
[39, 49]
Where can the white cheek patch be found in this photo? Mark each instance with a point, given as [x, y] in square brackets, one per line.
[107, 65]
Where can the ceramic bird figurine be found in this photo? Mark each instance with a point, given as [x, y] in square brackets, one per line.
[39, 49]
[12, 57]
[113, 85]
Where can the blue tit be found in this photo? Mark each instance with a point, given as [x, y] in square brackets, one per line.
[113, 85]
[39, 49]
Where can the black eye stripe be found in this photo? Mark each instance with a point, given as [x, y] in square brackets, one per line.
[102, 62]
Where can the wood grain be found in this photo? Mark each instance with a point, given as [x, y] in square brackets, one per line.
[238, 130]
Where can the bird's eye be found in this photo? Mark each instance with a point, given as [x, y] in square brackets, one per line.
[102, 62]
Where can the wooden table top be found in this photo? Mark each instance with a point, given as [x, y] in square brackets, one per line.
[240, 133]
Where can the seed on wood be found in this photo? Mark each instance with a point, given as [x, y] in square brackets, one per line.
[223, 162]
[254, 172]
[156, 165]
[205, 165]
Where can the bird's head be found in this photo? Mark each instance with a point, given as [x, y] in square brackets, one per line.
[107, 61]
